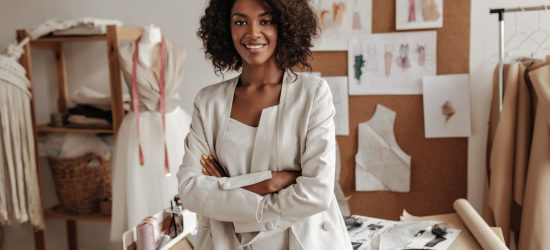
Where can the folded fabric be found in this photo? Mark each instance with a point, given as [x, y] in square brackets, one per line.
[57, 24]
[83, 121]
[91, 112]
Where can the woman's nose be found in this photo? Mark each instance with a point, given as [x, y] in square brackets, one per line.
[254, 30]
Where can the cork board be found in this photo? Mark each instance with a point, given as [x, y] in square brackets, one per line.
[439, 166]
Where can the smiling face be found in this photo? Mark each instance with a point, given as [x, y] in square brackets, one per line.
[253, 32]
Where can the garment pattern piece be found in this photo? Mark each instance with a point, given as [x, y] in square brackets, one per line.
[139, 191]
[380, 164]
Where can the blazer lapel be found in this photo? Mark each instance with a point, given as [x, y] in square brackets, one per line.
[266, 152]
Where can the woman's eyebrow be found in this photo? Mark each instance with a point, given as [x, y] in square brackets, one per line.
[244, 15]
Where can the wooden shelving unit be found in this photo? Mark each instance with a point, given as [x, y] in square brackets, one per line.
[44, 129]
[113, 37]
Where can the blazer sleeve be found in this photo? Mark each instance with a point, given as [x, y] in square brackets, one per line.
[313, 190]
[207, 194]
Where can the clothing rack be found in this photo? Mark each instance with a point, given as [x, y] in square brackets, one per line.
[500, 12]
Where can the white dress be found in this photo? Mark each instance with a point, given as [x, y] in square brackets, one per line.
[236, 154]
[139, 191]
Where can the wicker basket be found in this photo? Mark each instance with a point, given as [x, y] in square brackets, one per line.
[80, 184]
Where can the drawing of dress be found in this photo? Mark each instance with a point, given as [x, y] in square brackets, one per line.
[403, 60]
[388, 56]
[380, 164]
[139, 191]
[412, 11]
[372, 64]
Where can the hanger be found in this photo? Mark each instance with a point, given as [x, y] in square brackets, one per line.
[527, 37]
[542, 43]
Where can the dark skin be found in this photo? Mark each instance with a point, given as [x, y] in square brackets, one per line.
[254, 36]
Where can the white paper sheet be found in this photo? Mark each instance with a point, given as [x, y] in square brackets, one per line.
[362, 237]
[339, 88]
[447, 106]
[391, 63]
[422, 14]
[335, 22]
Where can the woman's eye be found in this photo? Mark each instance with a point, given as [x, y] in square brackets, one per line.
[266, 22]
[240, 22]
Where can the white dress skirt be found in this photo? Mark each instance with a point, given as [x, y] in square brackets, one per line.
[140, 191]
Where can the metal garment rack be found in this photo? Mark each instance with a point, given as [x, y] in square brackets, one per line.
[500, 12]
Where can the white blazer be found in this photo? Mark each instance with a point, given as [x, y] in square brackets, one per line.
[302, 139]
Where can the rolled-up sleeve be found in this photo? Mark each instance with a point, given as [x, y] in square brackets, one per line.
[313, 190]
[217, 198]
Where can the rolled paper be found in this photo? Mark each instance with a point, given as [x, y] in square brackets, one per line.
[486, 238]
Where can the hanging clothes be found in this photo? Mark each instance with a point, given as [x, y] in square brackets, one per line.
[19, 192]
[515, 184]
[535, 220]
[149, 145]
[380, 162]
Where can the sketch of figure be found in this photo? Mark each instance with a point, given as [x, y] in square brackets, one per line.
[403, 60]
[447, 110]
[412, 11]
[356, 20]
[430, 10]
[388, 56]
[332, 16]
[421, 50]
[372, 64]
[357, 67]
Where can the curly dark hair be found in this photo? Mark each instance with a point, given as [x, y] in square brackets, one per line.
[296, 26]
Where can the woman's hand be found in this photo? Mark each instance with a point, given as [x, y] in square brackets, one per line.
[211, 167]
[279, 179]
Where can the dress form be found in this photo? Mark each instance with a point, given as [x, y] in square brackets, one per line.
[150, 37]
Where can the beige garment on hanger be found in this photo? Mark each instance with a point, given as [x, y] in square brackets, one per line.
[501, 155]
[535, 224]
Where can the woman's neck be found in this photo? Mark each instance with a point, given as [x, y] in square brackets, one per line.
[268, 73]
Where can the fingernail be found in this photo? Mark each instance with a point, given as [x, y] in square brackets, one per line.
[202, 161]
[210, 157]
[204, 157]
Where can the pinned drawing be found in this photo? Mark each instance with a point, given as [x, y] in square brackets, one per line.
[334, 19]
[339, 88]
[418, 14]
[340, 19]
[404, 58]
[447, 106]
[380, 164]
[362, 17]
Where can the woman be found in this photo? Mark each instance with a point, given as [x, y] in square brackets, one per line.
[265, 139]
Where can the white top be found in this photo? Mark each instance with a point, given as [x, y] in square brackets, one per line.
[237, 147]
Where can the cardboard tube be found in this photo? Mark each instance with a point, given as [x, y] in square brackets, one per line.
[486, 238]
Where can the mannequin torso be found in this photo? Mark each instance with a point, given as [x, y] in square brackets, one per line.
[148, 50]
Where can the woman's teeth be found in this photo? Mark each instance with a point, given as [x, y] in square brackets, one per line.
[248, 46]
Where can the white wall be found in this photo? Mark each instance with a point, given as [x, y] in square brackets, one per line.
[178, 20]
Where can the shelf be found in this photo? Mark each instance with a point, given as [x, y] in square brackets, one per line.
[58, 213]
[70, 38]
[43, 129]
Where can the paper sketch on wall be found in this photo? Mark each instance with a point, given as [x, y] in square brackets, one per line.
[339, 88]
[361, 17]
[335, 22]
[418, 14]
[380, 164]
[447, 106]
[391, 63]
